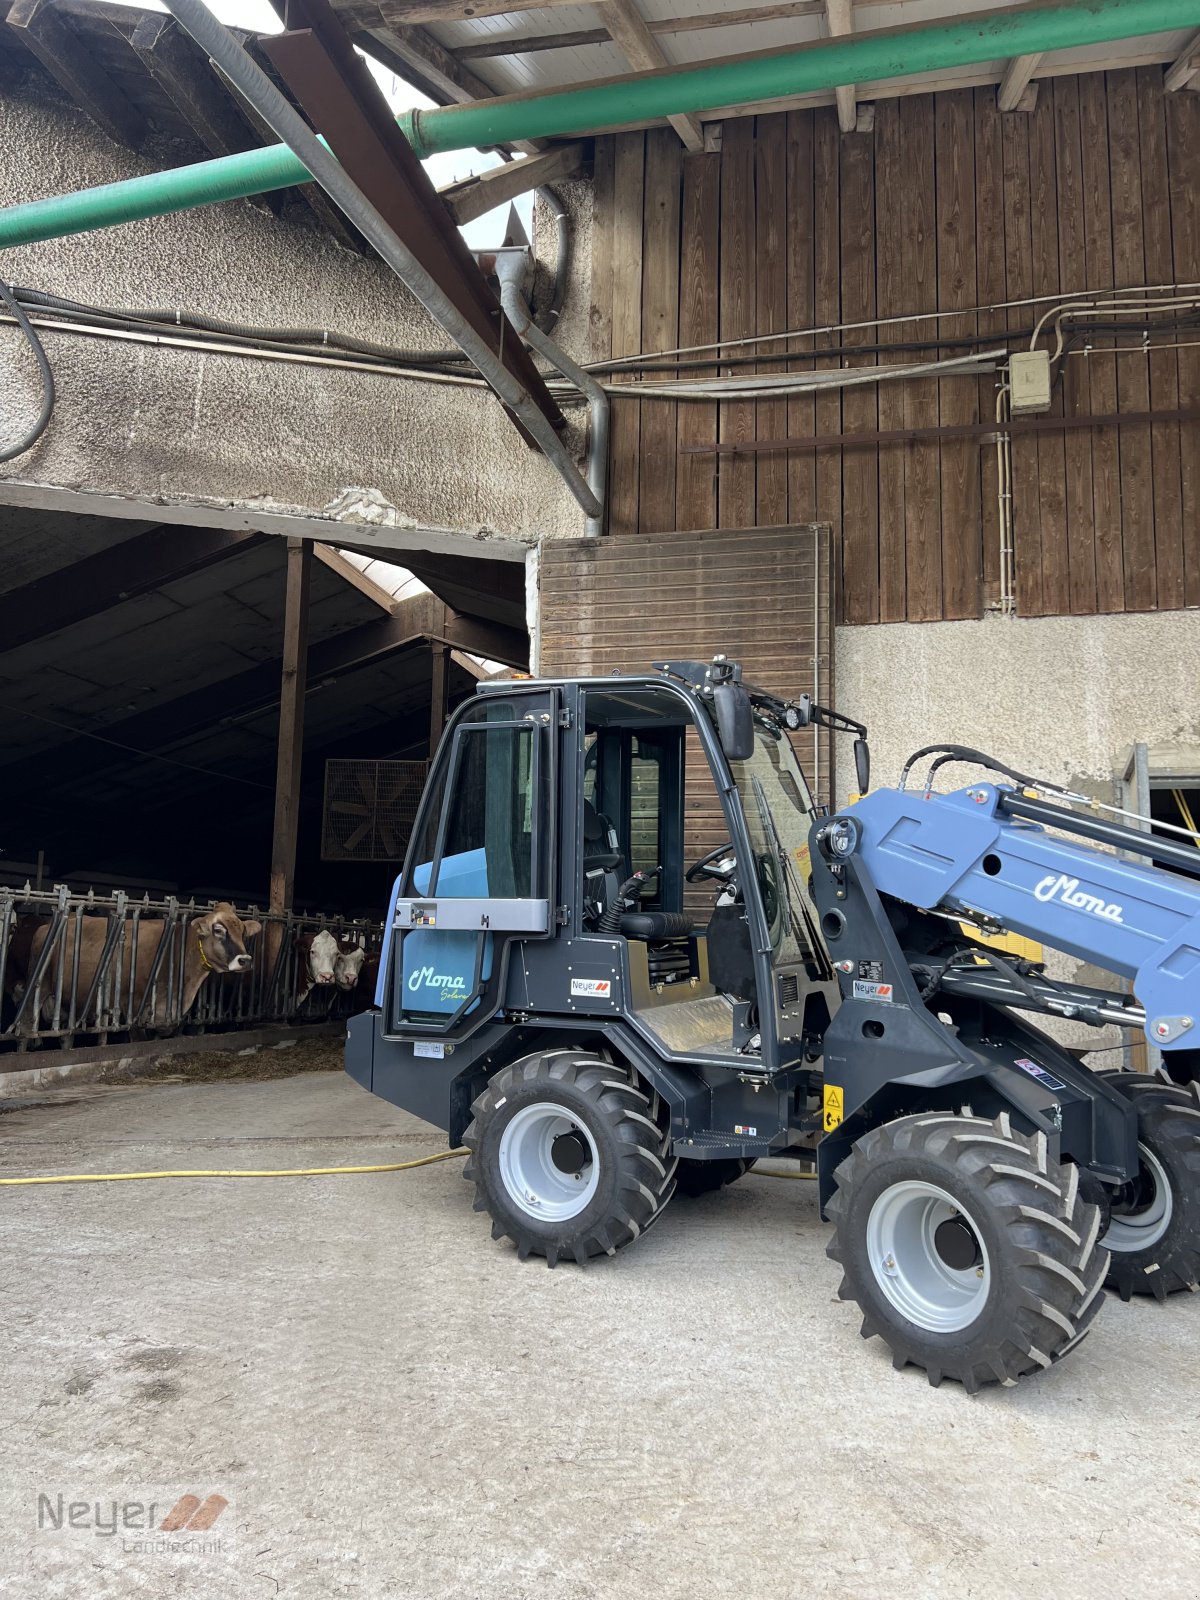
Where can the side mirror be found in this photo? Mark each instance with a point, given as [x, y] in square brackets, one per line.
[862, 765]
[735, 720]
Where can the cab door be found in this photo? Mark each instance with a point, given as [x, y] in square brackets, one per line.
[479, 866]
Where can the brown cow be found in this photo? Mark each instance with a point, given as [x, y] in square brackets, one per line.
[214, 942]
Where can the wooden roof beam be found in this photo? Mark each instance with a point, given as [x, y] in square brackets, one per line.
[417, 57]
[516, 44]
[96, 583]
[840, 17]
[186, 77]
[48, 35]
[474, 197]
[1016, 91]
[1184, 71]
[643, 52]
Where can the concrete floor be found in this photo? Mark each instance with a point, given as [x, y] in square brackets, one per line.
[396, 1407]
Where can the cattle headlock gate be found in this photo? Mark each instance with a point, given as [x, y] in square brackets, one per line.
[82, 981]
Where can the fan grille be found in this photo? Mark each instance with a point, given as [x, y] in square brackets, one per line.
[370, 808]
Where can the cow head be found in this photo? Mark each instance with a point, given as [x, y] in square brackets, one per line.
[322, 957]
[222, 937]
[349, 966]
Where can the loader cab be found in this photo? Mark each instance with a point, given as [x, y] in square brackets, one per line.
[587, 850]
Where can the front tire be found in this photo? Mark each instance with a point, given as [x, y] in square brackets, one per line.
[568, 1156]
[970, 1252]
[1153, 1233]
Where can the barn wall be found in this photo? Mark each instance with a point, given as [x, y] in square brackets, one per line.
[199, 427]
[1062, 698]
[947, 204]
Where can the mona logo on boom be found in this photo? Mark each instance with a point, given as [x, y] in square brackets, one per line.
[1067, 890]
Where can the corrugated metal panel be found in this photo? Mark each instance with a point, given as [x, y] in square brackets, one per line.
[763, 596]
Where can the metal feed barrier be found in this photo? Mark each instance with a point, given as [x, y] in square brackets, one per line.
[45, 998]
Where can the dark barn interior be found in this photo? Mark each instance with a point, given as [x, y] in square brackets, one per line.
[140, 674]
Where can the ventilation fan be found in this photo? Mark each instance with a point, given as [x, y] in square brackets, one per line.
[369, 809]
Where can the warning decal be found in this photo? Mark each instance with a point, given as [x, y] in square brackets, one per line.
[834, 1106]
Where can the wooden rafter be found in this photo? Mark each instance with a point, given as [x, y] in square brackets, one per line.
[511, 44]
[185, 76]
[840, 18]
[1184, 71]
[473, 197]
[49, 35]
[1014, 93]
[643, 52]
[416, 56]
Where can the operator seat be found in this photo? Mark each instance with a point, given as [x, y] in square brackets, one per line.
[603, 868]
[603, 864]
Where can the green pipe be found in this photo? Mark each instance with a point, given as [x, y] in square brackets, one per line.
[744, 80]
[777, 74]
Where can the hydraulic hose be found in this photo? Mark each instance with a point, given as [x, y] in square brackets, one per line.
[10, 452]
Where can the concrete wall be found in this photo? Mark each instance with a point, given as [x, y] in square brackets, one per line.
[1061, 698]
[166, 424]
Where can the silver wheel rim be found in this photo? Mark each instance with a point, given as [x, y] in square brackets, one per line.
[532, 1179]
[908, 1266]
[1139, 1229]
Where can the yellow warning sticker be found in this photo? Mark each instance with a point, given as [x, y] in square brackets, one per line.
[834, 1107]
[802, 856]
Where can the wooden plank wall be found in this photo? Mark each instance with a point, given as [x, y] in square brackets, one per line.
[762, 596]
[946, 206]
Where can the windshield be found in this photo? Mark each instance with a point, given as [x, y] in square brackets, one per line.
[779, 813]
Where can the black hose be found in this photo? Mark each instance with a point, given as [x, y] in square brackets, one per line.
[950, 753]
[9, 452]
[318, 338]
[547, 316]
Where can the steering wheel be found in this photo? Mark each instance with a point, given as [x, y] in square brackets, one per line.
[706, 867]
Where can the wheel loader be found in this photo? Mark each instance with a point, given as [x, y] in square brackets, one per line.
[606, 1013]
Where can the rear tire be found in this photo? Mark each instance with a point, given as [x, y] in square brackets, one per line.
[971, 1252]
[694, 1178]
[569, 1156]
[1153, 1234]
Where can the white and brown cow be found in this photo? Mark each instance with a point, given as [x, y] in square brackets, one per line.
[317, 963]
[214, 944]
[351, 957]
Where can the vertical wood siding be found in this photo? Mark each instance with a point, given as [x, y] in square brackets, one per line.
[946, 206]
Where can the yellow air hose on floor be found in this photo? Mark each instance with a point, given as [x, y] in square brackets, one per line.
[282, 1172]
[278, 1172]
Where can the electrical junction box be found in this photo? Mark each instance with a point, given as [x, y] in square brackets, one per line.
[1029, 382]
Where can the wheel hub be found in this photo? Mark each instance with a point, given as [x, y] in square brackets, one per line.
[570, 1153]
[956, 1244]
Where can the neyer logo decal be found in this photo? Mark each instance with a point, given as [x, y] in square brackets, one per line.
[1068, 891]
[592, 988]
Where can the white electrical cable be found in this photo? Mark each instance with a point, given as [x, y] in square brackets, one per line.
[770, 385]
[1104, 308]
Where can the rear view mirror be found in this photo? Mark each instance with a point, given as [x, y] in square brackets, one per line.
[735, 720]
[862, 765]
